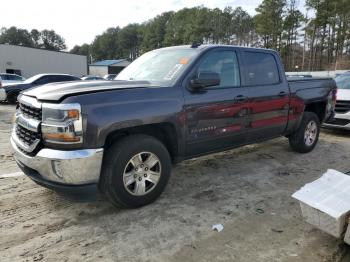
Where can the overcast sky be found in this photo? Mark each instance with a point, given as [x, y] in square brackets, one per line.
[79, 21]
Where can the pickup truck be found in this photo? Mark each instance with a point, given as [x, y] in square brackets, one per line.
[120, 138]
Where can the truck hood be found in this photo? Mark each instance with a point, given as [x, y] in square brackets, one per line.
[59, 91]
[343, 94]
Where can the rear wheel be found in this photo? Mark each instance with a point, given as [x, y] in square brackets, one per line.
[135, 171]
[306, 136]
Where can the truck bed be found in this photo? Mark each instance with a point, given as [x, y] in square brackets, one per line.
[298, 84]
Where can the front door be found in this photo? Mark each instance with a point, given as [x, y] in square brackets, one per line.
[216, 115]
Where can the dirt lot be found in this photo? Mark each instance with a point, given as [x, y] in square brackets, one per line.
[247, 190]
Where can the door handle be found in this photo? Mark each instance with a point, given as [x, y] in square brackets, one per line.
[282, 93]
[240, 98]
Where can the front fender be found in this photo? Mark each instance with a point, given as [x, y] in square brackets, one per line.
[110, 111]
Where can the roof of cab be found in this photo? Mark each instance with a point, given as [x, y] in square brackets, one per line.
[203, 47]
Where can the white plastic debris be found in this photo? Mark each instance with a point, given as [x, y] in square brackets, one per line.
[218, 227]
[347, 234]
[325, 202]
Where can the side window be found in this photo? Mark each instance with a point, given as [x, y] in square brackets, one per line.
[261, 68]
[5, 77]
[17, 78]
[14, 77]
[58, 78]
[42, 80]
[71, 78]
[223, 63]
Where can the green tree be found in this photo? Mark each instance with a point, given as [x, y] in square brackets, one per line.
[82, 50]
[154, 30]
[49, 40]
[241, 27]
[16, 36]
[105, 46]
[269, 22]
[291, 25]
[129, 41]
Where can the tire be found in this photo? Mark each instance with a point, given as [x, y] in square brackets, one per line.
[12, 97]
[126, 157]
[305, 138]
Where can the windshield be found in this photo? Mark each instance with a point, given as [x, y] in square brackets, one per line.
[160, 67]
[30, 80]
[343, 81]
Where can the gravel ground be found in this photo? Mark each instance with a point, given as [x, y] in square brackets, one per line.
[247, 190]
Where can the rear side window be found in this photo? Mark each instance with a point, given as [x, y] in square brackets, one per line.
[261, 69]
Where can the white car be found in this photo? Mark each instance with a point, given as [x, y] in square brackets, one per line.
[11, 79]
[341, 119]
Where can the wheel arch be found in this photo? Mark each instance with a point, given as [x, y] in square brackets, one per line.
[164, 132]
[319, 108]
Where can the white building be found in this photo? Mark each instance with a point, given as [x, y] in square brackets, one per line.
[102, 68]
[27, 61]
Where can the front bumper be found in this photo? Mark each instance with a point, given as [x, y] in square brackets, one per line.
[3, 95]
[340, 121]
[61, 169]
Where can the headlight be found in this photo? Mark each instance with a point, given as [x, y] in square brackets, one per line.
[62, 123]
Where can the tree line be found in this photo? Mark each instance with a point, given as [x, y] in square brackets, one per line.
[46, 39]
[315, 39]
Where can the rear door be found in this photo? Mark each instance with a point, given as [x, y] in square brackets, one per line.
[216, 115]
[268, 95]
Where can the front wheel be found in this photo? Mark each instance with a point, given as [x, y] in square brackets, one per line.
[135, 171]
[305, 138]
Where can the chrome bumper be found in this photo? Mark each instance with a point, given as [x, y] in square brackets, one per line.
[76, 167]
[340, 121]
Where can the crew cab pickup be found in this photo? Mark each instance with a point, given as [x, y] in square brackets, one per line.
[120, 138]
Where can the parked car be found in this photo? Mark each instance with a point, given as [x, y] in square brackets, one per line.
[13, 90]
[92, 78]
[11, 78]
[170, 104]
[109, 76]
[341, 119]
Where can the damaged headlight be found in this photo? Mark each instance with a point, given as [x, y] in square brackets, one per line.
[62, 123]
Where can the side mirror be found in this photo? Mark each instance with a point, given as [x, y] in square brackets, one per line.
[205, 79]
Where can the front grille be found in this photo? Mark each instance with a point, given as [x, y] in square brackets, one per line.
[30, 112]
[26, 136]
[342, 106]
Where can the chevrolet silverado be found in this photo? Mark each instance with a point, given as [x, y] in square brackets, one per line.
[121, 137]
